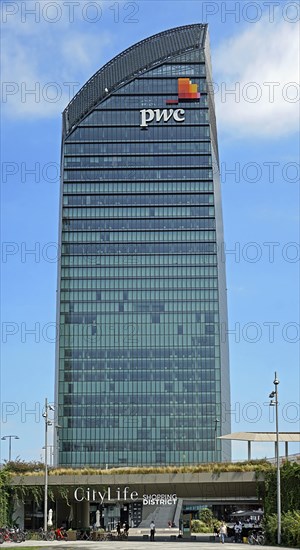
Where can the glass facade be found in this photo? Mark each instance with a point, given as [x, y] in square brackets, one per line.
[142, 372]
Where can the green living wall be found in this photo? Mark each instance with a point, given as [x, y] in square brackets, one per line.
[4, 496]
[290, 504]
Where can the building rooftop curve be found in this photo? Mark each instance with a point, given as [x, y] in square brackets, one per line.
[128, 64]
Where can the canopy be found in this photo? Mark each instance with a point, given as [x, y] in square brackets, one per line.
[262, 436]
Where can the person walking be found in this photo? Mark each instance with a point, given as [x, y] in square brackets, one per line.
[126, 528]
[152, 530]
[223, 532]
[237, 531]
[216, 531]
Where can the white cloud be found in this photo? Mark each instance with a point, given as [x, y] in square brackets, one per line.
[263, 53]
[54, 60]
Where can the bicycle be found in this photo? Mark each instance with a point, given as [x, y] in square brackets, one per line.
[123, 535]
[29, 534]
[60, 534]
[261, 539]
[46, 535]
[10, 535]
[256, 538]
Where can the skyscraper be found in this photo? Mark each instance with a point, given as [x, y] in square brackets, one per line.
[142, 374]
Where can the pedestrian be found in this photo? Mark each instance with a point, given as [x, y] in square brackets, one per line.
[152, 530]
[126, 528]
[236, 529]
[223, 532]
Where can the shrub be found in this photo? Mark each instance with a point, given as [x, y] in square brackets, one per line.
[198, 526]
[207, 517]
[22, 467]
[290, 528]
[270, 525]
[213, 468]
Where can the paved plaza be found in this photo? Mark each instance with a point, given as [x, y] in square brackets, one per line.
[133, 545]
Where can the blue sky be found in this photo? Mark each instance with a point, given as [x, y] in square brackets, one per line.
[52, 48]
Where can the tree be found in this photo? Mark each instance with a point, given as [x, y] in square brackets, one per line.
[207, 517]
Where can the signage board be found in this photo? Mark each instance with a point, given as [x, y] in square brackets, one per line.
[118, 494]
[186, 91]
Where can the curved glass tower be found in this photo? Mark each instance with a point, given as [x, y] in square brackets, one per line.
[142, 375]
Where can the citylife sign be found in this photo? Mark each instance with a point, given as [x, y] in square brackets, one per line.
[118, 494]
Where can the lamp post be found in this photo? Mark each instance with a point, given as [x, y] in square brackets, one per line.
[216, 431]
[274, 403]
[47, 424]
[51, 453]
[9, 437]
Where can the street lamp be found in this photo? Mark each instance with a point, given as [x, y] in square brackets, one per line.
[216, 431]
[274, 403]
[51, 453]
[9, 437]
[47, 423]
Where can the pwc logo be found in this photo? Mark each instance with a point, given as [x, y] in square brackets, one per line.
[186, 91]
